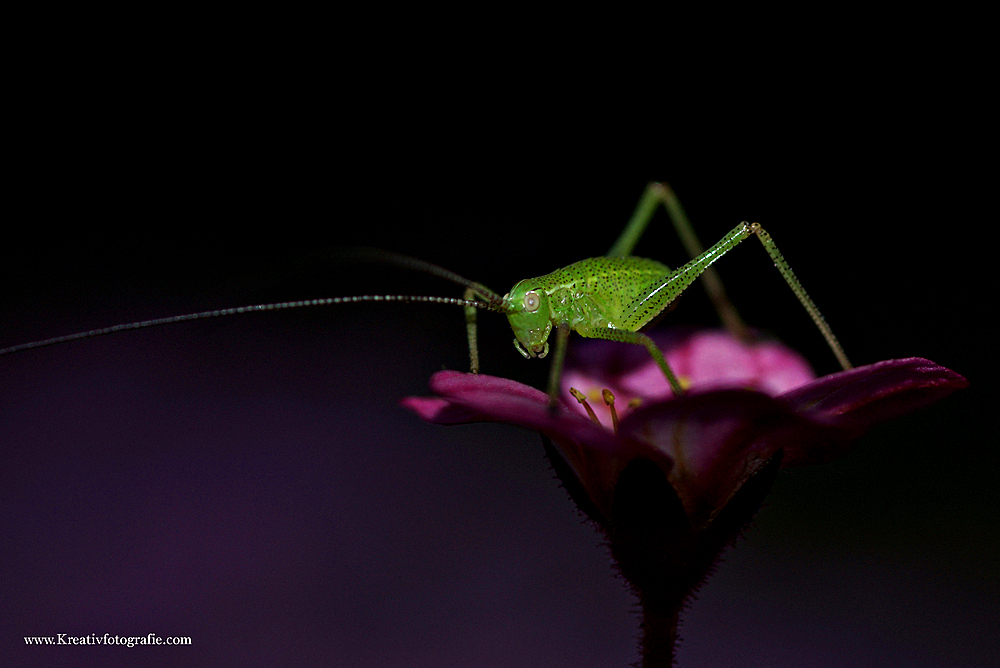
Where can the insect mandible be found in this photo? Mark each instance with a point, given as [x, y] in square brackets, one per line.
[609, 297]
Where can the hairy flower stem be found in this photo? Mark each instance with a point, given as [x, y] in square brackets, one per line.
[679, 479]
[659, 635]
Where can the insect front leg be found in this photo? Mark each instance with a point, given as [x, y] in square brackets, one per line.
[558, 360]
[470, 328]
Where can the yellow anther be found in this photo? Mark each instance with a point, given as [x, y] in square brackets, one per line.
[609, 399]
[579, 396]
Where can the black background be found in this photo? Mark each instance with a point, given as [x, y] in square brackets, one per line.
[252, 483]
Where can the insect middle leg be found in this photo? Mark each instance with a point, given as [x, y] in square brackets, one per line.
[620, 335]
[625, 336]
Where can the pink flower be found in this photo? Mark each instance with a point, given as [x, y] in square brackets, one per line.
[679, 477]
[746, 402]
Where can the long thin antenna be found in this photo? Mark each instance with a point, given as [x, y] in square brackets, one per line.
[493, 301]
[407, 262]
[277, 306]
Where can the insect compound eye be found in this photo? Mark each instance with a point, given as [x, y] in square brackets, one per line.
[531, 301]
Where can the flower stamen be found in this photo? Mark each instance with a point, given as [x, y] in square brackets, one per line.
[579, 396]
[609, 399]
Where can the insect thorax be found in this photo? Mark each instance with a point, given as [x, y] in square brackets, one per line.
[619, 292]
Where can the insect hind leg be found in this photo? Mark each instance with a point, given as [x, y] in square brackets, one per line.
[661, 193]
[800, 292]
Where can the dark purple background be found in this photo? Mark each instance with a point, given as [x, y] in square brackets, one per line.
[252, 483]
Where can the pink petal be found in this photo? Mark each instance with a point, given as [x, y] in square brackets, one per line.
[859, 398]
[719, 439]
[708, 442]
[595, 454]
[702, 359]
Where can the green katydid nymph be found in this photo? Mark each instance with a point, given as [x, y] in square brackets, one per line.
[613, 297]
[609, 297]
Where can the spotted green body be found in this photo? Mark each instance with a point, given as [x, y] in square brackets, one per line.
[608, 297]
[595, 294]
